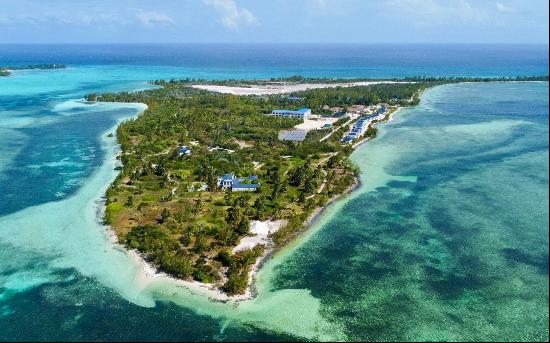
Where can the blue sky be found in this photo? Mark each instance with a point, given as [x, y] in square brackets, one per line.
[253, 21]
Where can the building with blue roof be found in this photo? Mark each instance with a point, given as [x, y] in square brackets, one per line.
[358, 128]
[184, 150]
[347, 139]
[238, 184]
[302, 113]
[226, 181]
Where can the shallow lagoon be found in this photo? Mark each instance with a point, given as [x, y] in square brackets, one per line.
[446, 239]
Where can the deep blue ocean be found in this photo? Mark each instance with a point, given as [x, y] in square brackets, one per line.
[265, 60]
[446, 239]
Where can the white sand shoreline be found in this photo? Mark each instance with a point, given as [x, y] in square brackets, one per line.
[147, 272]
[150, 273]
[284, 87]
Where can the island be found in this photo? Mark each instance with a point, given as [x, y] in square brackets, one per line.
[217, 175]
[6, 70]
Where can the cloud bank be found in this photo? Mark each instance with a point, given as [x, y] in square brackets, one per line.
[232, 16]
[154, 18]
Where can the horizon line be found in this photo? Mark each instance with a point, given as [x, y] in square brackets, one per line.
[273, 43]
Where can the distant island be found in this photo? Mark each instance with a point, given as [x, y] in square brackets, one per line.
[6, 70]
[216, 175]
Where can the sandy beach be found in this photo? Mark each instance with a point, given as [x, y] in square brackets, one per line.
[282, 88]
[260, 234]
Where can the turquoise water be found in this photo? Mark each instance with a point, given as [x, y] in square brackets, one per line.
[447, 238]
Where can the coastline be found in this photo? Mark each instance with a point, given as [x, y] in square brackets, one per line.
[273, 249]
[445, 183]
[100, 260]
[149, 273]
[387, 118]
[312, 219]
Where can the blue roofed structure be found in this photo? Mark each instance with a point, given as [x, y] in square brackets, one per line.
[358, 128]
[238, 184]
[347, 139]
[184, 150]
[302, 113]
[292, 135]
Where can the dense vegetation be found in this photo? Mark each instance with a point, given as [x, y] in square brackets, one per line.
[394, 94]
[302, 79]
[405, 93]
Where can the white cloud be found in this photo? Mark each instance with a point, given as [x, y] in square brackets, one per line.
[153, 18]
[64, 17]
[232, 16]
[91, 16]
[437, 12]
[505, 9]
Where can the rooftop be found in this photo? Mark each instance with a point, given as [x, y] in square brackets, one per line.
[228, 176]
[293, 135]
[301, 110]
[238, 184]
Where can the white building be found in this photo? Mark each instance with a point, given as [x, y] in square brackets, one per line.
[302, 113]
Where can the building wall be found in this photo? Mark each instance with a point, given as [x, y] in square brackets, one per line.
[243, 189]
[288, 113]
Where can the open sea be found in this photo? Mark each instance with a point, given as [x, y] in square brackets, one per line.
[446, 238]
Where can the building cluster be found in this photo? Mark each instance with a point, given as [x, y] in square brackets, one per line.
[383, 108]
[358, 130]
[361, 126]
[362, 109]
[357, 109]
